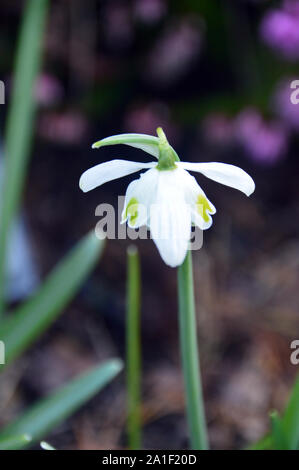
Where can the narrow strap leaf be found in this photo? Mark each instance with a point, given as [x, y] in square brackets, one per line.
[31, 319]
[57, 407]
[20, 121]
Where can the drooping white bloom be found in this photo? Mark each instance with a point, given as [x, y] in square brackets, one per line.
[166, 197]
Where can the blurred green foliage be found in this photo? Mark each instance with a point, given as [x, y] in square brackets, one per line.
[31, 319]
[44, 415]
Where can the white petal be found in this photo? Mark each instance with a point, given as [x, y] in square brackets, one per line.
[108, 171]
[223, 173]
[201, 206]
[148, 143]
[170, 219]
[140, 195]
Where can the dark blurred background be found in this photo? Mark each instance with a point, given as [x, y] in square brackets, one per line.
[215, 74]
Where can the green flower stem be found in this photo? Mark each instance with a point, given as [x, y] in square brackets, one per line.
[190, 357]
[133, 350]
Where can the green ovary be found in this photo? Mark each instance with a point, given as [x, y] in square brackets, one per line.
[167, 156]
[132, 210]
[203, 207]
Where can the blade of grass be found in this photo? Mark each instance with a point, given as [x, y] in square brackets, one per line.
[133, 349]
[31, 319]
[278, 434]
[266, 443]
[57, 407]
[19, 127]
[289, 425]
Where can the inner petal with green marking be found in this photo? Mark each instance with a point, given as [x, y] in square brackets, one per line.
[132, 210]
[203, 207]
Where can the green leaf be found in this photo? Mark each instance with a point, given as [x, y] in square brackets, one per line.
[31, 319]
[266, 443]
[49, 412]
[11, 443]
[147, 143]
[278, 434]
[289, 425]
[290, 421]
[19, 126]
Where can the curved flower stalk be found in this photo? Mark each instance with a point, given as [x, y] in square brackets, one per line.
[166, 197]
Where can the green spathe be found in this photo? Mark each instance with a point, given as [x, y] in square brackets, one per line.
[158, 147]
[167, 156]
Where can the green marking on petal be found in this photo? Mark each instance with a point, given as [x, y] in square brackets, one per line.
[132, 210]
[203, 207]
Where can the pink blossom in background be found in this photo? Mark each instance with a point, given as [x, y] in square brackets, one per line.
[144, 119]
[265, 142]
[218, 129]
[280, 29]
[291, 6]
[68, 128]
[149, 11]
[48, 90]
[284, 108]
[175, 51]
[118, 26]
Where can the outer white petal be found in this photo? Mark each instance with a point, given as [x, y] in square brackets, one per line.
[170, 218]
[201, 206]
[140, 195]
[223, 173]
[108, 171]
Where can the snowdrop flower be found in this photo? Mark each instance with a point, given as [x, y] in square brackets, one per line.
[166, 197]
